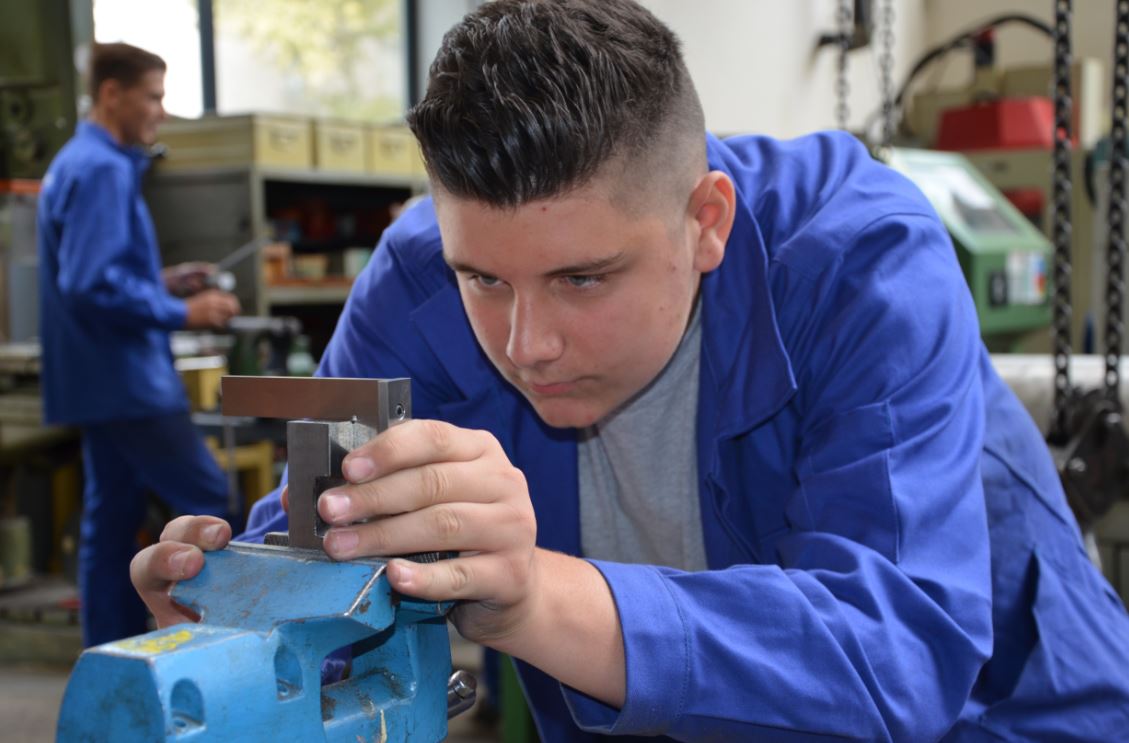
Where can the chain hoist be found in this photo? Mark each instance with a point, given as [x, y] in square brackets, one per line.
[886, 73]
[856, 26]
[1060, 189]
[1087, 435]
[1115, 254]
[844, 18]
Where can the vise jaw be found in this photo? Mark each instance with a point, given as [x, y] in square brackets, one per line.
[270, 614]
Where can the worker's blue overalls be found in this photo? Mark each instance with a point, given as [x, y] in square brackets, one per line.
[105, 318]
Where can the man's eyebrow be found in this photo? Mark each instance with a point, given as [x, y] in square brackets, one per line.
[459, 266]
[587, 267]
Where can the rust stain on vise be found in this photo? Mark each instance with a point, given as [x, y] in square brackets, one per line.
[328, 707]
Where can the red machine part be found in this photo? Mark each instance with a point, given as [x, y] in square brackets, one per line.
[1006, 124]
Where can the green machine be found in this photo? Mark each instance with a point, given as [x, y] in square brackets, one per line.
[38, 80]
[1005, 259]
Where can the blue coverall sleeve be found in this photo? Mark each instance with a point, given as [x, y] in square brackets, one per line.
[875, 619]
[103, 264]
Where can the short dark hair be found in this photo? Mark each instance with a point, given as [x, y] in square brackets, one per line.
[529, 99]
[122, 62]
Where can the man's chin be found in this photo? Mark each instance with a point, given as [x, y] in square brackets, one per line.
[565, 413]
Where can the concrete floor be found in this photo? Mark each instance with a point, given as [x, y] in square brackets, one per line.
[39, 641]
[29, 703]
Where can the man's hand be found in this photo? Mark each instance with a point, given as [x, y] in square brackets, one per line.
[211, 309]
[177, 556]
[429, 486]
[186, 279]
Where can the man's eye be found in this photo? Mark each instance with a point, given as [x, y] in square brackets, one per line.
[584, 282]
[484, 280]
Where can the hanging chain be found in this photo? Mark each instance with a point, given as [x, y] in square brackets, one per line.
[1061, 189]
[1115, 281]
[843, 17]
[886, 70]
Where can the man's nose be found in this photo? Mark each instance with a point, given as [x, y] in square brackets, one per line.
[534, 339]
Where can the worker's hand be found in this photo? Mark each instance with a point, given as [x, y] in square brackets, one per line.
[179, 555]
[186, 279]
[211, 309]
[429, 486]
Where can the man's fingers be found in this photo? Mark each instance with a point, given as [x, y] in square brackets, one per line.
[414, 443]
[284, 498]
[451, 526]
[154, 570]
[418, 487]
[205, 532]
[478, 577]
[157, 566]
[177, 556]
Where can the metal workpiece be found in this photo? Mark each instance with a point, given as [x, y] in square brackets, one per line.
[316, 450]
[378, 403]
[347, 414]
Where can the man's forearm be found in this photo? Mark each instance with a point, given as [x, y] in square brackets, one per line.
[573, 633]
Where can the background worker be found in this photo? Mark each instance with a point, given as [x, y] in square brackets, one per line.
[106, 311]
[714, 431]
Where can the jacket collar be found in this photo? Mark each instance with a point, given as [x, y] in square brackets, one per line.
[98, 133]
[743, 354]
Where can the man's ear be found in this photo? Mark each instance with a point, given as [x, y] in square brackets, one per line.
[713, 207]
[109, 91]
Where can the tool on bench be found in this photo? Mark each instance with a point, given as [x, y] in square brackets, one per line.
[251, 669]
[223, 279]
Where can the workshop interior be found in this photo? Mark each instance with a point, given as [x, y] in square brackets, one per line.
[283, 158]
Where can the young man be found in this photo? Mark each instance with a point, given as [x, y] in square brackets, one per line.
[106, 312]
[743, 379]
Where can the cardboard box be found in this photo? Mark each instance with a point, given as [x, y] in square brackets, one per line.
[340, 146]
[261, 140]
[393, 150]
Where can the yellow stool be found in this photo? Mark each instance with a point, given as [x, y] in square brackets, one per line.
[254, 463]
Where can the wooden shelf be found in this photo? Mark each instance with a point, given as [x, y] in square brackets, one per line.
[413, 183]
[344, 178]
[312, 292]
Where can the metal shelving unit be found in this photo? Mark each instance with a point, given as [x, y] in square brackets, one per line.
[205, 214]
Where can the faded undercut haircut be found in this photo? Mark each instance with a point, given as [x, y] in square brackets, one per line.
[533, 99]
[122, 62]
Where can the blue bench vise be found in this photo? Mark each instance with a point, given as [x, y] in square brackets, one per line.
[252, 668]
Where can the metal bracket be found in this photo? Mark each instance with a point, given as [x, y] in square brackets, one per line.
[345, 413]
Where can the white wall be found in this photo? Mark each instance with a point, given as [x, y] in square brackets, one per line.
[757, 69]
[435, 17]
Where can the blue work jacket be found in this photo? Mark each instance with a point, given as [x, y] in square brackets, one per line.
[105, 314]
[891, 556]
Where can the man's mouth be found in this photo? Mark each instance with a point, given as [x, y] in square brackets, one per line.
[550, 389]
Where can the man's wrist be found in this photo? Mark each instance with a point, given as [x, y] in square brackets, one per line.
[533, 616]
[571, 630]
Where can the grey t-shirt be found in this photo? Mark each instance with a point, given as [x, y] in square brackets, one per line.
[638, 470]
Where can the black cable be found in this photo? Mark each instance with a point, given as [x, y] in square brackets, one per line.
[963, 39]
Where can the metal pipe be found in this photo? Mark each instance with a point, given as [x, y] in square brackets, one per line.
[207, 54]
[1032, 378]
